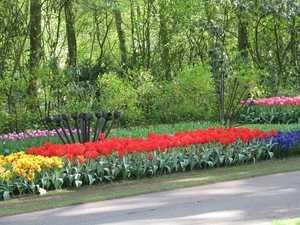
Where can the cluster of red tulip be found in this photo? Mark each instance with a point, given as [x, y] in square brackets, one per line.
[152, 143]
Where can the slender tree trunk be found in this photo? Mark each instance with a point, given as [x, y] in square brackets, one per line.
[293, 45]
[133, 27]
[278, 50]
[147, 34]
[35, 51]
[122, 38]
[35, 34]
[242, 40]
[2, 66]
[71, 36]
[164, 42]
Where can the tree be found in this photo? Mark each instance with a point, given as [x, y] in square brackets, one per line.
[35, 37]
[164, 40]
[121, 37]
[71, 35]
[35, 34]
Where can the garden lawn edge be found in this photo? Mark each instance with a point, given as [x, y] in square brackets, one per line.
[61, 198]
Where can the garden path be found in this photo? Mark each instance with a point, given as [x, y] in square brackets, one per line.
[256, 200]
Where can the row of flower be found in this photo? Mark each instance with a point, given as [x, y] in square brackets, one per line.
[55, 166]
[32, 134]
[282, 101]
[274, 110]
[14, 142]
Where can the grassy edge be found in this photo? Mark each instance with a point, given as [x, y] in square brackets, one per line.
[290, 221]
[136, 187]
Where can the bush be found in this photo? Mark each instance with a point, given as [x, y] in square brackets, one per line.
[119, 94]
[144, 101]
[187, 98]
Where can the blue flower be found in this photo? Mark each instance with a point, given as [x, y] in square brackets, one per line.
[283, 140]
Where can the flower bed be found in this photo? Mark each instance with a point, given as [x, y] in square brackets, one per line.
[20, 172]
[109, 160]
[13, 142]
[274, 110]
[285, 144]
[282, 101]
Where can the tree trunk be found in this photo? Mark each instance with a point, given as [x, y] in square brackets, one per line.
[133, 33]
[147, 35]
[71, 36]
[35, 34]
[242, 40]
[121, 37]
[164, 42]
[35, 51]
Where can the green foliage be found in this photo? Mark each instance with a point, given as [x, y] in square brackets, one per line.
[142, 100]
[163, 41]
[147, 89]
[274, 114]
[116, 93]
[247, 73]
[19, 110]
[186, 98]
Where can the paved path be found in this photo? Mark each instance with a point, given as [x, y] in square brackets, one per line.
[256, 200]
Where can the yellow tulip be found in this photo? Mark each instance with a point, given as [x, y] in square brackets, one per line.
[30, 176]
[24, 165]
[7, 175]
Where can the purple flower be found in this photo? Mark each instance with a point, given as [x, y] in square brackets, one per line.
[285, 141]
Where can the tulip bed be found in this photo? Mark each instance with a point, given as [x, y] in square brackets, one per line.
[274, 110]
[55, 166]
[281, 101]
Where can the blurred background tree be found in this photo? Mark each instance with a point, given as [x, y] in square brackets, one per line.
[54, 55]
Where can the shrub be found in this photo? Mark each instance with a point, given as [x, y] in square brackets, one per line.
[116, 93]
[187, 98]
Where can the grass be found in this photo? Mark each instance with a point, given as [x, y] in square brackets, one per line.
[135, 187]
[281, 127]
[171, 128]
[291, 221]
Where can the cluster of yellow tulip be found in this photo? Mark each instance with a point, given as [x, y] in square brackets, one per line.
[25, 166]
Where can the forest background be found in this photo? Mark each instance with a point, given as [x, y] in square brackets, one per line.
[148, 59]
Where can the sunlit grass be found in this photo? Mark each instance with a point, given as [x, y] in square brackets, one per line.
[278, 127]
[292, 221]
[161, 129]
